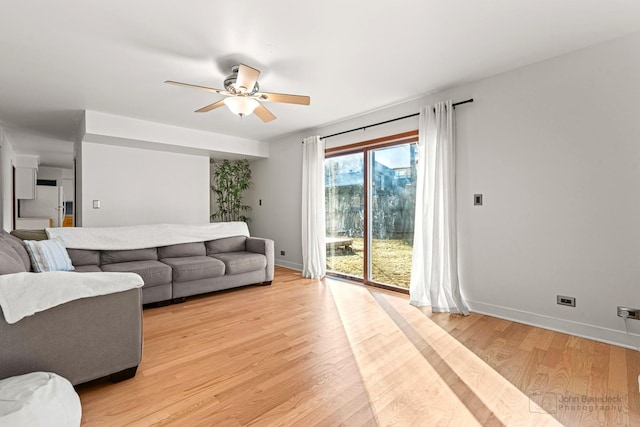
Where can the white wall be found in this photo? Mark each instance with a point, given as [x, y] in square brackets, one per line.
[6, 190]
[555, 149]
[3, 177]
[77, 171]
[276, 182]
[138, 186]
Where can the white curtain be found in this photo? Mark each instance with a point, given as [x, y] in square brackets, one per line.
[434, 271]
[314, 254]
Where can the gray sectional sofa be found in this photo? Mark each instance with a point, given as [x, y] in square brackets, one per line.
[81, 340]
[178, 271]
[94, 337]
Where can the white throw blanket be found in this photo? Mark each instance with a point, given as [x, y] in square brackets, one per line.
[24, 294]
[39, 399]
[144, 236]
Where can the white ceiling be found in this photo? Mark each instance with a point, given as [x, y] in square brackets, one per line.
[351, 56]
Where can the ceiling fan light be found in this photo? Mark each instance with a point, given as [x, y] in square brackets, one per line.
[241, 105]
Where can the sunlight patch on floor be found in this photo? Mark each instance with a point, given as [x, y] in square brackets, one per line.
[416, 373]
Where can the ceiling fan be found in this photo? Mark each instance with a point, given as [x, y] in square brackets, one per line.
[242, 94]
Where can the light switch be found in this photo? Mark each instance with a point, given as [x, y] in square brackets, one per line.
[477, 199]
[96, 204]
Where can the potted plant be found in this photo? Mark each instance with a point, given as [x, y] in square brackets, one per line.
[229, 180]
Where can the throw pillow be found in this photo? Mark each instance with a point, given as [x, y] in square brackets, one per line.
[48, 255]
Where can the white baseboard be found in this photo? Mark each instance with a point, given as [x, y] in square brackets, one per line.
[597, 333]
[287, 264]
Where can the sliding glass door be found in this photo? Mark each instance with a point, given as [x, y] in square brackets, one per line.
[392, 205]
[370, 202]
[344, 193]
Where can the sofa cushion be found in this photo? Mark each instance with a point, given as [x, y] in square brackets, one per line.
[182, 250]
[242, 262]
[84, 257]
[87, 269]
[194, 268]
[228, 244]
[112, 257]
[9, 251]
[17, 246]
[30, 234]
[152, 272]
[10, 261]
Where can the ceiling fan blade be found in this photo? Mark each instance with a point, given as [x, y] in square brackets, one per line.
[208, 89]
[285, 98]
[264, 114]
[247, 77]
[211, 107]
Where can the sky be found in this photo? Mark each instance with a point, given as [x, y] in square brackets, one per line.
[394, 157]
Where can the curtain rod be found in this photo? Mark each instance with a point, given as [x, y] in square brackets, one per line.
[389, 121]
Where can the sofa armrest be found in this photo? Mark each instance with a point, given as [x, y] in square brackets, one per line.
[80, 340]
[266, 248]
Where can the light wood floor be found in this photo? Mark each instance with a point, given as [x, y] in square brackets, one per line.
[306, 352]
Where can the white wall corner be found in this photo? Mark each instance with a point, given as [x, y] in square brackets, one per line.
[287, 264]
[584, 330]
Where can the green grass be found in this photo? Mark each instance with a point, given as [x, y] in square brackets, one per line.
[391, 261]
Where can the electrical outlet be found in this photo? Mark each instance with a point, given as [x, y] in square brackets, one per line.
[632, 313]
[282, 253]
[568, 301]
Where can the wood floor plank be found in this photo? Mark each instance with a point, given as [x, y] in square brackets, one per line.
[327, 352]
